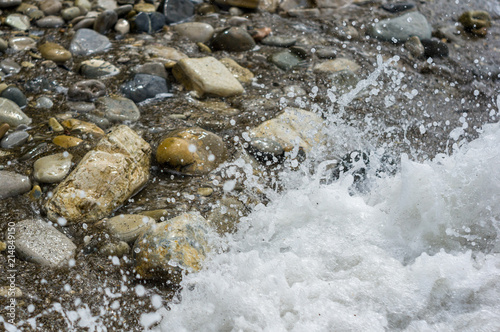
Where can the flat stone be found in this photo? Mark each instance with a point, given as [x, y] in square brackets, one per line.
[18, 21]
[9, 66]
[401, 28]
[105, 178]
[279, 41]
[285, 60]
[40, 243]
[11, 113]
[87, 90]
[53, 168]
[195, 31]
[293, 126]
[266, 150]
[51, 7]
[172, 247]
[127, 227]
[397, 7]
[151, 68]
[105, 21]
[83, 127]
[176, 11]
[250, 4]
[70, 13]
[95, 68]
[338, 64]
[207, 76]
[233, 39]
[87, 42]
[22, 43]
[240, 73]
[15, 94]
[66, 141]
[148, 22]
[13, 184]
[54, 52]
[144, 87]
[50, 22]
[15, 139]
[9, 3]
[118, 109]
[191, 151]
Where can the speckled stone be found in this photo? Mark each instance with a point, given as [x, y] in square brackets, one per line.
[95, 68]
[13, 184]
[12, 114]
[127, 227]
[53, 168]
[54, 52]
[338, 64]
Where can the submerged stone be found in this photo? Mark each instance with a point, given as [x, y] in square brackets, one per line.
[285, 60]
[176, 11]
[14, 139]
[87, 42]
[54, 52]
[233, 39]
[118, 109]
[11, 113]
[106, 177]
[399, 29]
[127, 227]
[13, 184]
[53, 168]
[144, 87]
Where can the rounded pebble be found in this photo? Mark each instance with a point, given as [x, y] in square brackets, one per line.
[53, 168]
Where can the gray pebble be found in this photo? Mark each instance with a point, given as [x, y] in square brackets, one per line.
[14, 139]
[94, 68]
[14, 94]
[279, 41]
[13, 184]
[70, 13]
[12, 114]
[118, 109]
[22, 43]
[50, 22]
[50, 7]
[9, 66]
[266, 150]
[144, 86]
[151, 68]
[86, 42]
[105, 21]
[44, 102]
[18, 21]
[9, 3]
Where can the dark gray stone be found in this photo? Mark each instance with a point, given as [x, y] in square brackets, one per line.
[285, 60]
[397, 7]
[434, 48]
[105, 21]
[176, 10]
[50, 22]
[14, 139]
[279, 41]
[233, 39]
[14, 94]
[9, 3]
[86, 42]
[13, 184]
[144, 86]
[148, 22]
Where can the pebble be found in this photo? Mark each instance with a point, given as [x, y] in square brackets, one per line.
[336, 65]
[249, 4]
[35, 193]
[66, 141]
[127, 227]
[44, 102]
[13, 93]
[106, 4]
[148, 22]
[15, 139]
[164, 52]
[118, 109]
[176, 11]
[4, 45]
[157, 215]
[240, 73]
[70, 13]
[118, 249]
[87, 42]
[81, 107]
[415, 47]
[83, 127]
[22, 43]
[226, 214]
[122, 26]
[53, 168]
[104, 179]
[285, 60]
[475, 19]
[105, 21]
[401, 28]
[34, 152]
[195, 31]
[13, 184]
[18, 22]
[84, 4]
[97, 120]
[4, 127]
[144, 7]
[7, 291]
[326, 53]
[172, 247]
[123, 10]
[40, 243]
[434, 48]
[344, 79]
[207, 76]
[266, 150]
[347, 32]
[151, 68]
[9, 66]
[238, 21]
[12, 114]
[9, 3]
[233, 39]
[55, 125]
[235, 11]
[50, 22]
[397, 7]
[144, 86]
[87, 90]
[54, 52]
[191, 151]
[205, 191]
[50, 7]
[86, 23]
[95, 68]
[279, 41]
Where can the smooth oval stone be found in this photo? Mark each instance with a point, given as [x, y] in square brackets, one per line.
[79, 126]
[50, 22]
[22, 43]
[266, 150]
[4, 128]
[118, 109]
[18, 21]
[176, 10]
[144, 86]
[98, 69]
[127, 227]
[279, 41]
[9, 3]
[85, 4]
[195, 31]
[53, 168]
[87, 90]
[13, 93]
[66, 141]
[285, 60]
[55, 125]
[50, 7]
[86, 23]
[434, 48]
[70, 13]
[13, 184]
[122, 26]
[11, 113]
[399, 29]
[397, 6]
[148, 22]
[87, 42]
[151, 68]
[9, 66]
[105, 21]
[44, 102]
[327, 53]
[250, 4]
[233, 39]
[54, 52]
[14, 139]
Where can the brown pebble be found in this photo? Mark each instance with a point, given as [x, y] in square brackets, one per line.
[66, 141]
[4, 127]
[261, 33]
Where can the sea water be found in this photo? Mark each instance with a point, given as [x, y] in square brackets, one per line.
[416, 251]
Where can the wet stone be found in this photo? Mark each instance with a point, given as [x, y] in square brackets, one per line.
[70, 13]
[326, 53]
[105, 21]
[66, 141]
[85, 4]
[40, 243]
[12, 114]
[50, 7]
[98, 69]
[105, 178]
[475, 19]
[22, 43]
[191, 151]
[176, 11]
[207, 76]
[397, 7]
[266, 150]
[123, 10]
[44, 102]
[151, 68]
[83, 127]
[4, 128]
[87, 42]
[336, 65]
[399, 29]
[148, 22]
[127, 227]
[9, 66]
[172, 247]
[285, 60]
[13, 184]
[4, 45]
[279, 41]
[54, 52]
[240, 73]
[118, 109]
[250, 4]
[87, 90]
[55, 125]
[144, 86]
[15, 139]
[53, 168]
[144, 7]
[50, 22]
[9, 3]
[122, 26]
[86, 23]
[233, 39]
[195, 31]
[415, 47]
[13, 93]
[434, 48]
[344, 79]
[18, 21]
[81, 107]
[117, 249]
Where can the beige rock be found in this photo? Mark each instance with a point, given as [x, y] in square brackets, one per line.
[336, 65]
[127, 227]
[105, 178]
[7, 291]
[164, 53]
[54, 52]
[66, 141]
[293, 126]
[83, 127]
[195, 31]
[207, 76]
[53, 168]
[242, 74]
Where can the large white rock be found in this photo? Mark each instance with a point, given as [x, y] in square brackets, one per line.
[105, 178]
